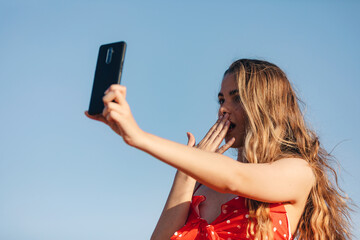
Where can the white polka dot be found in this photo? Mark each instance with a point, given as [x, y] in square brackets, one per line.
[247, 216]
[266, 238]
[280, 222]
[237, 198]
[229, 233]
[180, 235]
[206, 235]
[284, 235]
[208, 226]
[228, 221]
[238, 226]
[225, 206]
[224, 211]
[212, 233]
[235, 211]
[274, 229]
[176, 233]
[247, 236]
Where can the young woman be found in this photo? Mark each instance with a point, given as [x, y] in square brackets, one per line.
[278, 188]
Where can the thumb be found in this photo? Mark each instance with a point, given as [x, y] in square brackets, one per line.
[191, 139]
[97, 117]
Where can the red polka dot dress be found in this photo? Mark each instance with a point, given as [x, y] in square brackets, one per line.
[231, 224]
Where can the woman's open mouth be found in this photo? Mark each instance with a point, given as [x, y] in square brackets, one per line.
[232, 126]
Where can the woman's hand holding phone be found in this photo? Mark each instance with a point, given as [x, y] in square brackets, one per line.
[117, 115]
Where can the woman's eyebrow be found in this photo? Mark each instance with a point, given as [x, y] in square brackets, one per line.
[233, 92]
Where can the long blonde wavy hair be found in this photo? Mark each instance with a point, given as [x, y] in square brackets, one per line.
[276, 130]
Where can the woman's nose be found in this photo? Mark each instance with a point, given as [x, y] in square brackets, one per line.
[223, 109]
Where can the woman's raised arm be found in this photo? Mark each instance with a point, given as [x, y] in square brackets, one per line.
[280, 181]
[176, 209]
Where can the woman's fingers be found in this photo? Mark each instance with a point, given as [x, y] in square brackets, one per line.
[114, 116]
[220, 137]
[115, 93]
[218, 134]
[115, 103]
[97, 117]
[105, 112]
[221, 129]
[226, 146]
[191, 139]
[115, 87]
[112, 106]
[212, 129]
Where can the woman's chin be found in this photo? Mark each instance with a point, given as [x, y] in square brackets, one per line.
[236, 144]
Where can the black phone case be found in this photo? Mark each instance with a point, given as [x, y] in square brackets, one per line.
[108, 71]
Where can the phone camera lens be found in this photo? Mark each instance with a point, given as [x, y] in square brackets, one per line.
[109, 54]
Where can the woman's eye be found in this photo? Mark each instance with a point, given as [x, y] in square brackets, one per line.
[221, 101]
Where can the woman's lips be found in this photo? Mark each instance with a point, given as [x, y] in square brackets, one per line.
[231, 127]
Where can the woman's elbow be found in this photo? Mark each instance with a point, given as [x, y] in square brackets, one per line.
[233, 184]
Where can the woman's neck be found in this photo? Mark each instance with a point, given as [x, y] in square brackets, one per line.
[240, 156]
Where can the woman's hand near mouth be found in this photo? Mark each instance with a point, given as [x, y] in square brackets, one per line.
[215, 136]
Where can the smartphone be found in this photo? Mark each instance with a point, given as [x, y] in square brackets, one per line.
[108, 71]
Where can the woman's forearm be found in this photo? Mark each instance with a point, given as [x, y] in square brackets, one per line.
[211, 169]
[280, 181]
[176, 209]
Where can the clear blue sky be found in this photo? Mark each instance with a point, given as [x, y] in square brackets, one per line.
[63, 176]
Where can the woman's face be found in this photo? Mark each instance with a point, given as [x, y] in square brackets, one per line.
[230, 103]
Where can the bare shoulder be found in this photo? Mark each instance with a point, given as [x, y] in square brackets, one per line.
[296, 168]
[284, 180]
[301, 177]
[293, 163]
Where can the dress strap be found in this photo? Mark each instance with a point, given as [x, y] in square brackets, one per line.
[197, 187]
